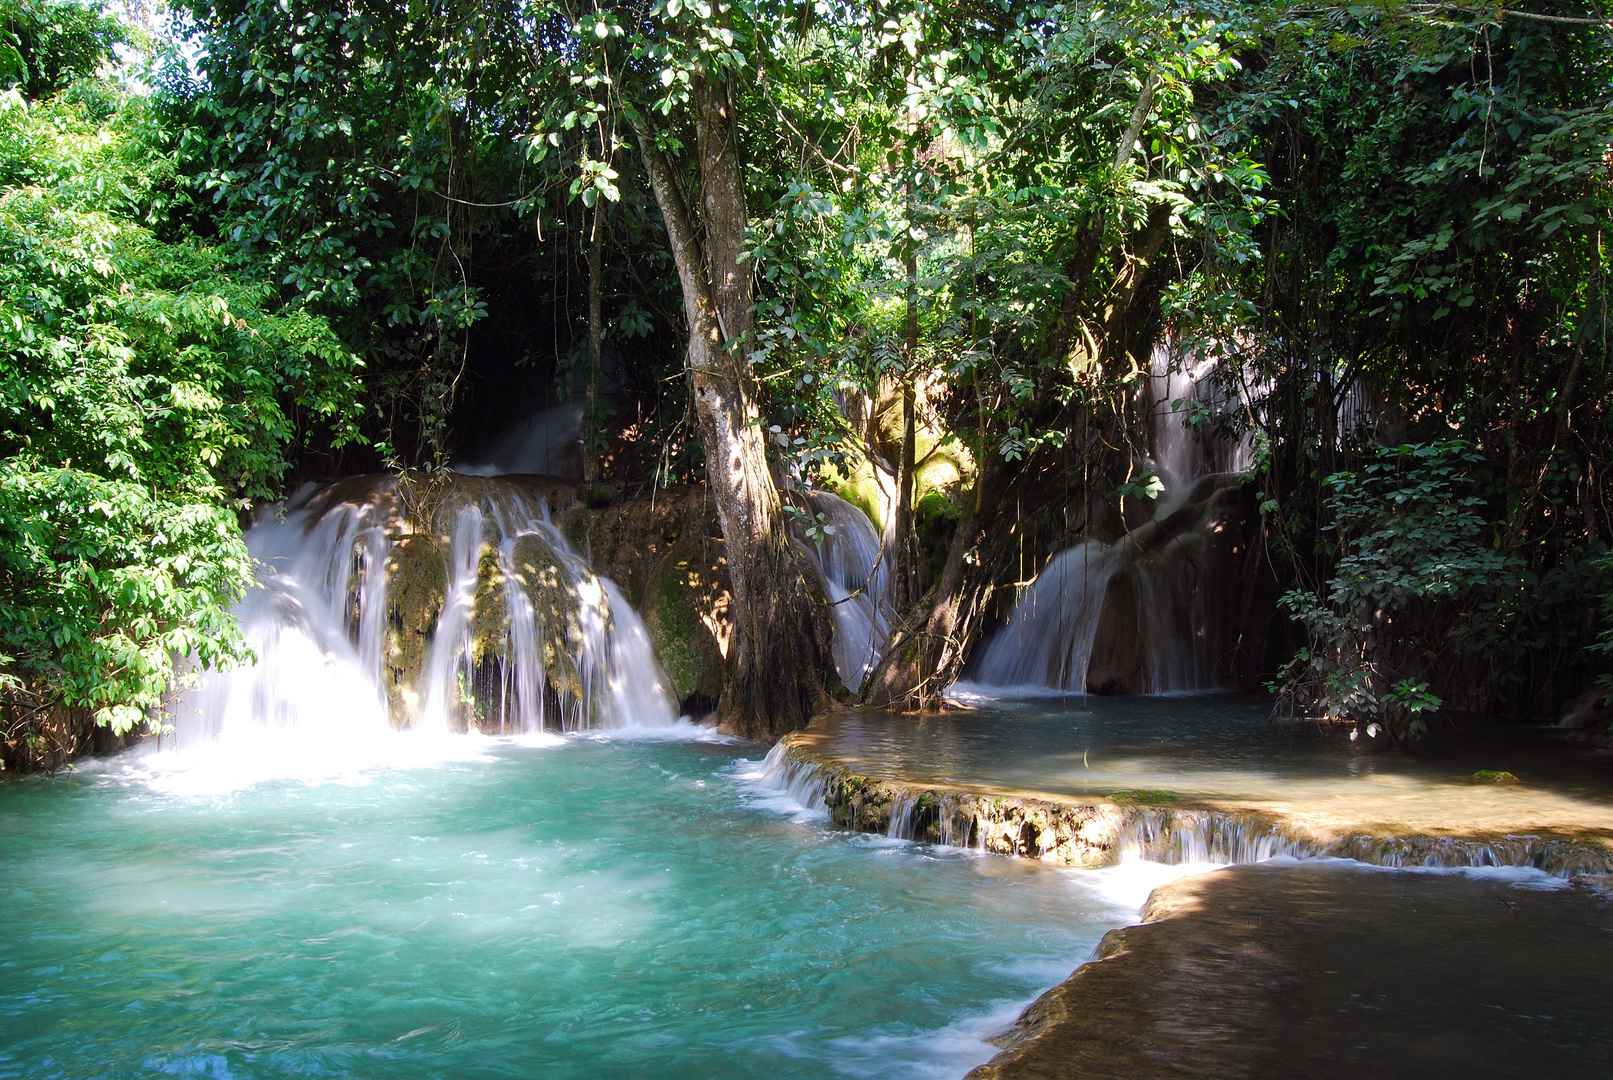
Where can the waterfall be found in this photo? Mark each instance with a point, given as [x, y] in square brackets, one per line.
[472, 612]
[851, 564]
[1141, 613]
[1049, 635]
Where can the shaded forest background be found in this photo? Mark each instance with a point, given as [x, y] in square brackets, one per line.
[251, 244]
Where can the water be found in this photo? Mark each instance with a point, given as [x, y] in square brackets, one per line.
[1145, 612]
[851, 563]
[1225, 750]
[385, 605]
[556, 906]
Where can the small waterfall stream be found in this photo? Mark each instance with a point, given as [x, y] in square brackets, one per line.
[850, 560]
[1137, 614]
[472, 612]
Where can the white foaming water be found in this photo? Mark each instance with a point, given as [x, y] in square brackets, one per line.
[1530, 878]
[1047, 639]
[929, 1055]
[851, 563]
[1069, 631]
[325, 627]
[245, 758]
[1129, 883]
[782, 785]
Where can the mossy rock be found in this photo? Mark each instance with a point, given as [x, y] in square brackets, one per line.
[490, 618]
[1146, 798]
[417, 583]
[680, 604]
[554, 591]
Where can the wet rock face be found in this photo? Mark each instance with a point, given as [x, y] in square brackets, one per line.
[1116, 663]
[1588, 711]
[417, 571]
[666, 554]
[416, 583]
[549, 585]
[685, 606]
[491, 620]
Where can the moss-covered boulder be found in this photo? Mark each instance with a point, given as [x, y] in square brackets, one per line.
[417, 583]
[554, 590]
[685, 608]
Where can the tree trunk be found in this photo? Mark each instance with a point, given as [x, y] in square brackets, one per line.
[779, 661]
[927, 651]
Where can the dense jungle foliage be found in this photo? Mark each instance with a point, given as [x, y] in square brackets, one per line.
[950, 244]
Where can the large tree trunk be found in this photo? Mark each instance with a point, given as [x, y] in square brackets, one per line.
[780, 661]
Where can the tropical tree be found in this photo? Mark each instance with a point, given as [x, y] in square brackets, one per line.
[149, 390]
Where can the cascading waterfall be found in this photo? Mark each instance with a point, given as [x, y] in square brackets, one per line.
[377, 612]
[850, 560]
[1048, 638]
[1136, 614]
[1106, 833]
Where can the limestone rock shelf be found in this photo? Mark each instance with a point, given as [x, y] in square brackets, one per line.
[1097, 831]
[1324, 970]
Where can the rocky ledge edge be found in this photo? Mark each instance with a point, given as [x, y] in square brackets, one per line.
[1098, 831]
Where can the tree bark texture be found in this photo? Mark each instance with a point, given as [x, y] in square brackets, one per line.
[904, 577]
[780, 659]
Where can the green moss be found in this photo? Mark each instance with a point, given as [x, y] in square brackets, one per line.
[1495, 776]
[679, 600]
[936, 507]
[417, 582]
[490, 619]
[1149, 798]
[553, 591]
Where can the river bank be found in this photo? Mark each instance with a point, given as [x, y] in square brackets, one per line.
[1330, 969]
